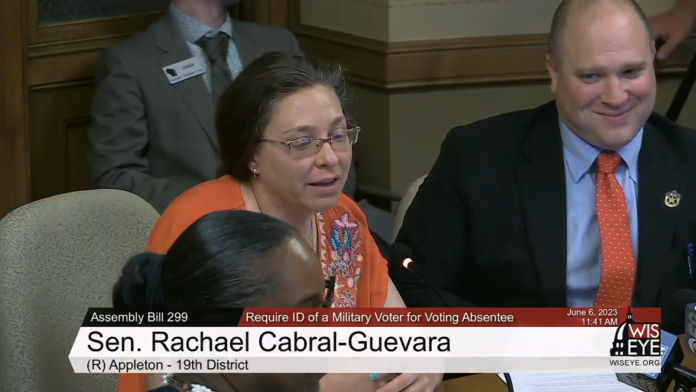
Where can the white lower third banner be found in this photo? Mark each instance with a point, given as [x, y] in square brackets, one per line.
[361, 350]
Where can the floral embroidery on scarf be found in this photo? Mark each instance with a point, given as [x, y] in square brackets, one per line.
[341, 257]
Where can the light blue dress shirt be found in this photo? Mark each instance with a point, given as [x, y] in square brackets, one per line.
[192, 30]
[583, 252]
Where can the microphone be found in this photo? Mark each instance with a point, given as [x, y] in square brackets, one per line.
[682, 312]
[671, 357]
[400, 256]
[685, 306]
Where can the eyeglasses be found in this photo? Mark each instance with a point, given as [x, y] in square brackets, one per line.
[305, 146]
[329, 291]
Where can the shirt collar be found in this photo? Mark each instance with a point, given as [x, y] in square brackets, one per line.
[580, 155]
[192, 29]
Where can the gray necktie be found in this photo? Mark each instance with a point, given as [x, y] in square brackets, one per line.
[216, 49]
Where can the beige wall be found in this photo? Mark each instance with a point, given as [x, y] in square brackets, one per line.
[364, 18]
[414, 124]
[402, 131]
[412, 20]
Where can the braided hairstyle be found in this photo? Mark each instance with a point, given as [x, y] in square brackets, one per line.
[218, 261]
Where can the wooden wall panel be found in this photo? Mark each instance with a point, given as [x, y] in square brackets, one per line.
[65, 62]
[13, 167]
[58, 138]
[86, 30]
[75, 25]
[76, 150]
[46, 88]
[267, 12]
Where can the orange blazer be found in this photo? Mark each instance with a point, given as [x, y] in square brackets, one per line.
[344, 246]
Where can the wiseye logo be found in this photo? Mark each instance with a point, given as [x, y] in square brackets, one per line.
[635, 339]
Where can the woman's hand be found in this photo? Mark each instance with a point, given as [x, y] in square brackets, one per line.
[409, 382]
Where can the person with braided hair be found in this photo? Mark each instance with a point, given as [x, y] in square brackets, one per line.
[228, 259]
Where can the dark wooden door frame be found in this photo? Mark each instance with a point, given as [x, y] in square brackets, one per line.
[13, 99]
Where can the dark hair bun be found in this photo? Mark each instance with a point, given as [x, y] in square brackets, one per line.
[140, 285]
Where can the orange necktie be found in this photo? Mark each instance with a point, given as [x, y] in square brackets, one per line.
[618, 265]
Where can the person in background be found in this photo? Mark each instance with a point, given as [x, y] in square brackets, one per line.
[152, 131]
[673, 26]
[286, 145]
[228, 259]
[580, 202]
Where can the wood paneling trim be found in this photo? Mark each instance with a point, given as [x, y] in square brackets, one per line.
[14, 186]
[62, 86]
[70, 52]
[60, 115]
[266, 12]
[65, 61]
[98, 28]
[75, 59]
[74, 30]
[443, 62]
[365, 60]
[269, 12]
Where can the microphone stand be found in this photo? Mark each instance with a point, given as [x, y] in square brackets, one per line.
[684, 379]
[437, 294]
[508, 379]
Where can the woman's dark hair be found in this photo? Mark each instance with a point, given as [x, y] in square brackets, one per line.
[216, 262]
[245, 108]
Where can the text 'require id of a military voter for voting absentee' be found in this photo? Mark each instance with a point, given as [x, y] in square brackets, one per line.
[448, 340]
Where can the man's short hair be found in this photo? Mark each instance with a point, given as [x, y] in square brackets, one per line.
[562, 14]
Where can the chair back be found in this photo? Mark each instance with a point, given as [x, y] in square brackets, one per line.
[405, 202]
[60, 256]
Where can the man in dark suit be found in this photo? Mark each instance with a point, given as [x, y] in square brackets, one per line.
[586, 200]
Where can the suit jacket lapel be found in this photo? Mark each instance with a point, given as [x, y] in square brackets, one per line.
[657, 175]
[193, 90]
[541, 178]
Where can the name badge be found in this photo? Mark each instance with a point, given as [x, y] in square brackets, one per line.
[184, 70]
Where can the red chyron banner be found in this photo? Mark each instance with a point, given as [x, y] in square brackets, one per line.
[453, 317]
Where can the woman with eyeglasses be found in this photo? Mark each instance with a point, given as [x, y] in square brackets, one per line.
[227, 259]
[286, 144]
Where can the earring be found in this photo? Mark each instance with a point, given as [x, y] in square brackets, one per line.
[256, 172]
